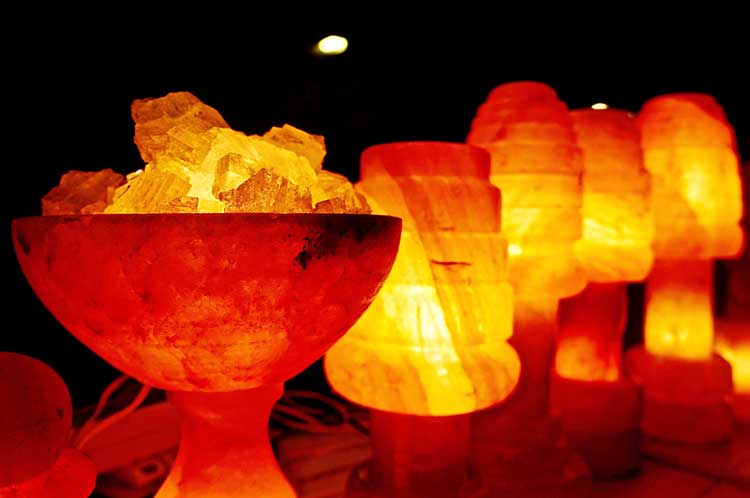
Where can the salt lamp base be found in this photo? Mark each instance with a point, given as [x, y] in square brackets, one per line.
[741, 407]
[529, 460]
[362, 485]
[416, 456]
[72, 476]
[600, 420]
[224, 450]
[683, 400]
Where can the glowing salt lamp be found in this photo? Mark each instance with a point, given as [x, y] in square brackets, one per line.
[598, 408]
[432, 347]
[218, 309]
[733, 344]
[733, 328]
[35, 425]
[689, 149]
[537, 164]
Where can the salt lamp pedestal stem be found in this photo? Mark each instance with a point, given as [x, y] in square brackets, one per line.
[535, 321]
[416, 456]
[224, 451]
[516, 446]
[685, 385]
[599, 409]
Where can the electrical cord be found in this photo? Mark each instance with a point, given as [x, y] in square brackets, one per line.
[299, 410]
[92, 426]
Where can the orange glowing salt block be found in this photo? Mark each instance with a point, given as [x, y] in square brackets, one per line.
[432, 347]
[733, 344]
[689, 149]
[538, 165]
[218, 309]
[615, 248]
[35, 426]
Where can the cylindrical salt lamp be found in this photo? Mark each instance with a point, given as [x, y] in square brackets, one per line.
[733, 326]
[598, 407]
[432, 348]
[537, 164]
[35, 425]
[689, 149]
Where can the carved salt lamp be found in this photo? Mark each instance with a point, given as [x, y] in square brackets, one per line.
[432, 347]
[218, 309]
[35, 424]
[690, 151]
[599, 408]
[733, 327]
[537, 164]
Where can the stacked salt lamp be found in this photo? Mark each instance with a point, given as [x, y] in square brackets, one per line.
[690, 151]
[598, 407]
[537, 164]
[35, 425]
[432, 347]
[733, 328]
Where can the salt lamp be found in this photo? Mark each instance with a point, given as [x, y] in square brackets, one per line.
[689, 149]
[733, 344]
[35, 426]
[733, 326]
[599, 408]
[432, 347]
[537, 164]
[218, 309]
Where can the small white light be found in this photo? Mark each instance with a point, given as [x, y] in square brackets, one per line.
[331, 45]
[600, 106]
[514, 250]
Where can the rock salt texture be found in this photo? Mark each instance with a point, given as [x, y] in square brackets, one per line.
[197, 164]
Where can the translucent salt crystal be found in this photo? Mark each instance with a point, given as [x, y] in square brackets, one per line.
[232, 171]
[173, 125]
[148, 192]
[82, 192]
[335, 194]
[179, 205]
[210, 206]
[267, 192]
[311, 147]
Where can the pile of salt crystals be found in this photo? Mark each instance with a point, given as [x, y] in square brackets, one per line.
[195, 163]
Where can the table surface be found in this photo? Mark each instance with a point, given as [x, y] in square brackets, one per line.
[318, 466]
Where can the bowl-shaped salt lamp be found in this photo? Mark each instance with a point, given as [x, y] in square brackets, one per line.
[537, 164]
[599, 408]
[35, 425]
[689, 149]
[432, 347]
[218, 309]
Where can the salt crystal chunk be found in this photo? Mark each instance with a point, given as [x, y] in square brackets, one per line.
[267, 192]
[173, 125]
[339, 191]
[311, 147]
[82, 192]
[148, 191]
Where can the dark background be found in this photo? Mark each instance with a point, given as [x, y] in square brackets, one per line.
[67, 104]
